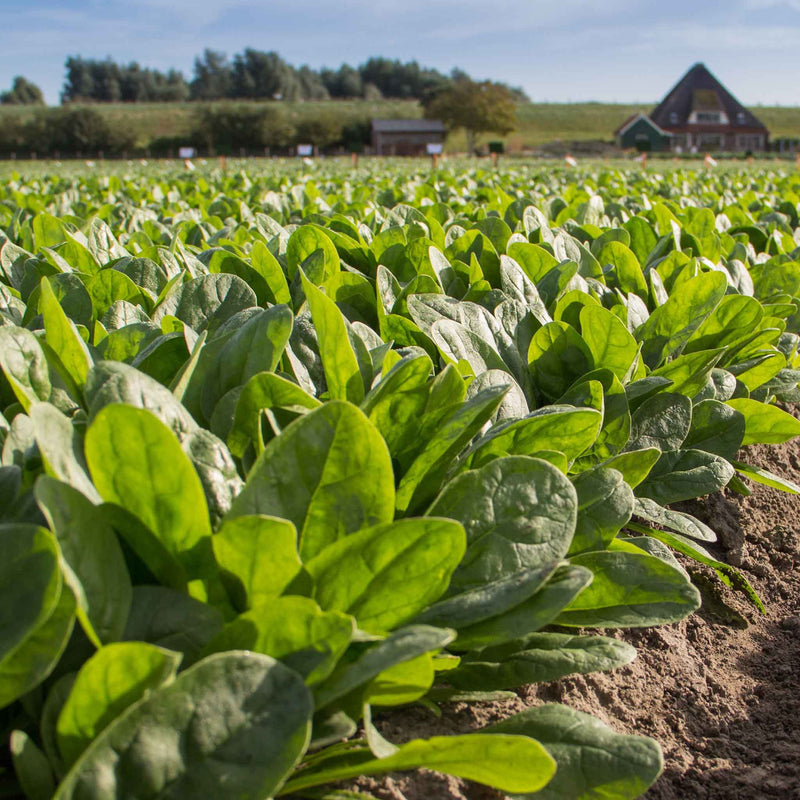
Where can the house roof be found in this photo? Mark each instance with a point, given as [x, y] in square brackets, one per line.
[699, 90]
[632, 120]
[408, 126]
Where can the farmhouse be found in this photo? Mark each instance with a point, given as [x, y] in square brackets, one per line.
[406, 137]
[698, 114]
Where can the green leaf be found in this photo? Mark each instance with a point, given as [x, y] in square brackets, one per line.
[627, 272]
[518, 513]
[258, 559]
[399, 647]
[265, 391]
[605, 505]
[137, 463]
[232, 726]
[560, 428]
[342, 372]
[329, 473]
[629, 590]
[62, 335]
[25, 366]
[508, 763]
[529, 616]
[764, 424]
[662, 421]
[310, 250]
[557, 357]
[673, 520]
[31, 766]
[172, 620]
[609, 341]
[387, 574]
[538, 658]
[114, 678]
[669, 327]
[96, 568]
[294, 630]
[593, 761]
[716, 428]
[25, 667]
[766, 477]
[685, 474]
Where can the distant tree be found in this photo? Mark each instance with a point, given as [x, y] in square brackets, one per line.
[263, 75]
[22, 93]
[476, 107]
[343, 82]
[311, 84]
[319, 129]
[213, 77]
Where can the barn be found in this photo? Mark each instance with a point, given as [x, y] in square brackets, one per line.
[700, 115]
[406, 137]
[641, 133]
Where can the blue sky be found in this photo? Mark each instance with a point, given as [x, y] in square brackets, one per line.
[557, 50]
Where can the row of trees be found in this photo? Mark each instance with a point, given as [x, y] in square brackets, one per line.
[250, 75]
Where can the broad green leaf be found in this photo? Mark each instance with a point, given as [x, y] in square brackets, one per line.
[294, 630]
[264, 392]
[678, 521]
[634, 465]
[766, 477]
[63, 337]
[115, 677]
[609, 341]
[403, 683]
[32, 661]
[258, 559]
[172, 620]
[401, 646]
[329, 473]
[232, 726]
[560, 428]
[25, 366]
[518, 513]
[557, 358]
[387, 574]
[61, 447]
[96, 566]
[310, 250]
[423, 478]
[716, 428]
[593, 760]
[538, 658]
[342, 372]
[31, 766]
[605, 505]
[629, 590]
[529, 616]
[627, 272]
[670, 326]
[137, 463]
[662, 421]
[685, 474]
[765, 424]
[508, 763]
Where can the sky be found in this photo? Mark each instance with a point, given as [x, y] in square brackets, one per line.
[556, 50]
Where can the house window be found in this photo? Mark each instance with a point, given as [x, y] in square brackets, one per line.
[673, 118]
[741, 118]
[709, 116]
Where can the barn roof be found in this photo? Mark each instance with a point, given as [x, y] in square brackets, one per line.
[408, 126]
[635, 118]
[699, 90]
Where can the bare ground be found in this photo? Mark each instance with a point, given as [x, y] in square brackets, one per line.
[720, 691]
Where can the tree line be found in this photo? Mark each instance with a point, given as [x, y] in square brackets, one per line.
[249, 75]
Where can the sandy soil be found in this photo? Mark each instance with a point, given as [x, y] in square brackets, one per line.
[720, 691]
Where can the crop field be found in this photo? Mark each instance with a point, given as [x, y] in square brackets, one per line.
[289, 447]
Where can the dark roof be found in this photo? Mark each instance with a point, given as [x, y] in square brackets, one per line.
[699, 90]
[408, 126]
[634, 118]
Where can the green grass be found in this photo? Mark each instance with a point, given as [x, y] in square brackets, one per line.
[539, 123]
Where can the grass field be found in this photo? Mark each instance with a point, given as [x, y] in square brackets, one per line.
[539, 123]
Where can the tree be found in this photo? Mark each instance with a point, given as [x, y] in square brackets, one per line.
[22, 93]
[213, 77]
[475, 107]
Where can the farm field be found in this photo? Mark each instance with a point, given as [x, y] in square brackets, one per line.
[538, 123]
[315, 476]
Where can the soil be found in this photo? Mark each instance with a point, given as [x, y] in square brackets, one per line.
[720, 691]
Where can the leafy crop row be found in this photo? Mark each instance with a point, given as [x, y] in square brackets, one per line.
[280, 452]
